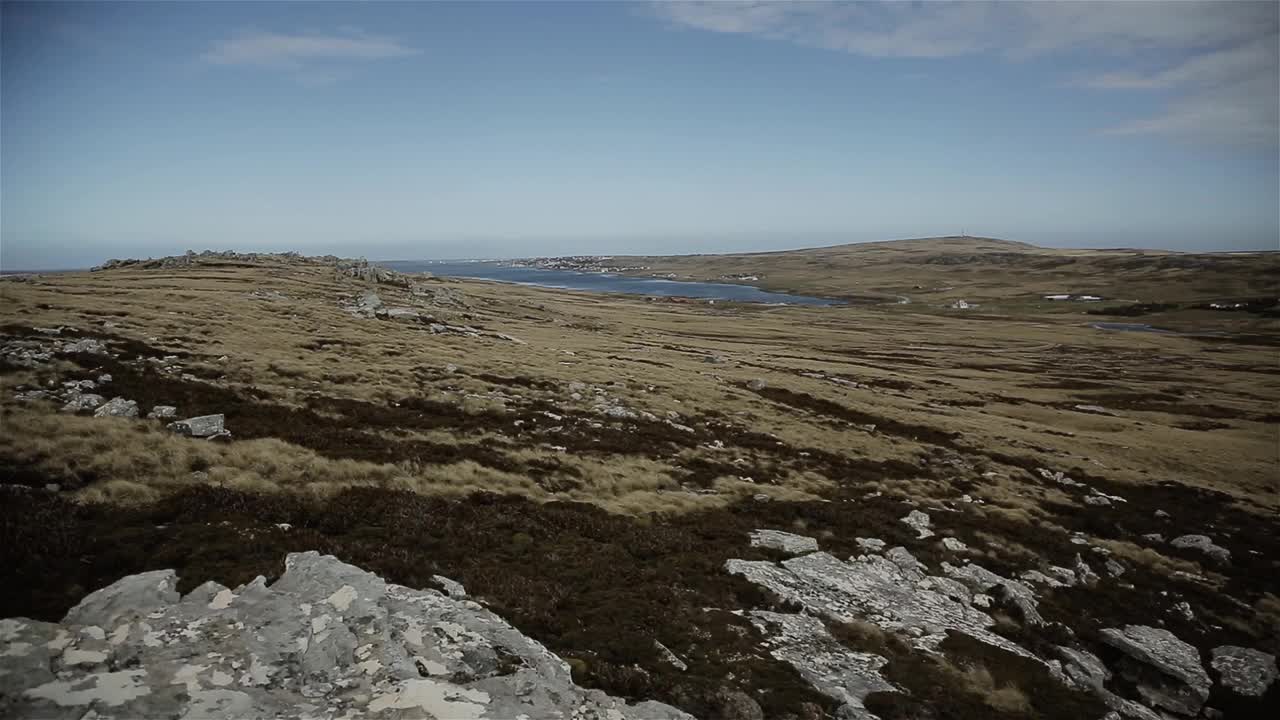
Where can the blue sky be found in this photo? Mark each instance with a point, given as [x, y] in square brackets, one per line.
[490, 129]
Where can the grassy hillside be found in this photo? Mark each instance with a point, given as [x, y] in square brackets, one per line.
[936, 270]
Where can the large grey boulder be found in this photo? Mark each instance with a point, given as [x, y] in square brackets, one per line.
[1204, 544]
[117, 407]
[1245, 671]
[1166, 670]
[202, 426]
[325, 640]
[783, 541]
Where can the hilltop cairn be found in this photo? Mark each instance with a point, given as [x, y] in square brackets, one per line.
[326, 639]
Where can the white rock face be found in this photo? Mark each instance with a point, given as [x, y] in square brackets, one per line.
[325, 640]
[784, 541]
[1245, 671]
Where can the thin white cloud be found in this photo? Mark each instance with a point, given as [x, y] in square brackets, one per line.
[283, 50]
[1220, 62]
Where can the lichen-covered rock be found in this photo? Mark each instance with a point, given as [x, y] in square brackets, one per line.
[1204, 544]
[117, 407]
[325, 640]
[1179, 682]
[1244, 670]
[783, 541]
[202, 426]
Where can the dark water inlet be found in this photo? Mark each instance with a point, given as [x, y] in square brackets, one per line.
[605, 282]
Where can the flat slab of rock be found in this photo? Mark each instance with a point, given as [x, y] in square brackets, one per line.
[325, 640]
[1180, 683]
[1204, 544]
[1243, 670]
[202, 426]
[783, 541]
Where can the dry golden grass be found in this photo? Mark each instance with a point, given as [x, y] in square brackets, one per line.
[1003, 387]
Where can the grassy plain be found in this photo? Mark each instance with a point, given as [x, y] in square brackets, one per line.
[597, 531]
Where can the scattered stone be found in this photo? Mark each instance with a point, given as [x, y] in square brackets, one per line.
[87, 401]
[1179, 683]
[1154, 537]
[203, 426]
[1114, 569]
[1084, 573]
[954, 545]
[86, 345]
[1244, 671]
[669, 657]
[919, 521]
[1205, 545]
[1162, 515]
[1184, 609]
[118, 407]
[756, 384]
[104, 378]
[450, 369]
[761, 497]
[870, 544]
[326, 639]
[163, 411]
[783, 541]
[715, 359]
[1096, 500]
[1096, 410]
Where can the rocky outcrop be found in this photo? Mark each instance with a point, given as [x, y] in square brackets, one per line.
[82, 401]
[325, 640]
[1243, 670]
[1166, 671]
[783, 542]
[896, 596]
[117, 407]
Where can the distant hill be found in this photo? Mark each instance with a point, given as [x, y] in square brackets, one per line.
[981, 268]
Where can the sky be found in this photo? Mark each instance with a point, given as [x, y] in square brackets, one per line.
[438, 130]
